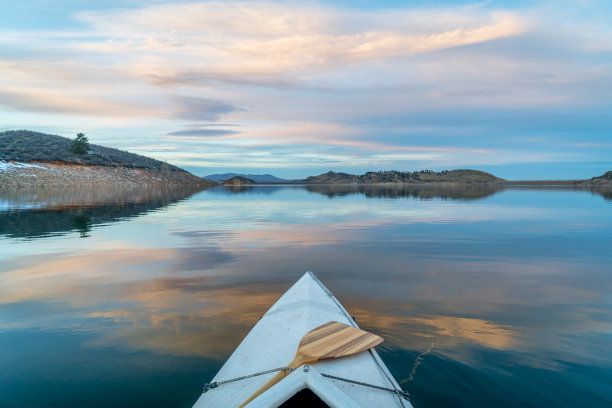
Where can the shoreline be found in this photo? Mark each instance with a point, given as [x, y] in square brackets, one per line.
[517, 183]
[38, 174]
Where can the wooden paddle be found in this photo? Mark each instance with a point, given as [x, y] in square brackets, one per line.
[330, 340]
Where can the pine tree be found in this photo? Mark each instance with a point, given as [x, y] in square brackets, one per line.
[80, 145]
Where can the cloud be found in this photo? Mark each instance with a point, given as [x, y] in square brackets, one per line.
[70, 103]
[303, 79]
[198, 133]
[206, 78]
[200, 109]
[278, 45]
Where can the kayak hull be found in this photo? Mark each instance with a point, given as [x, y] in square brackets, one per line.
[272, 343]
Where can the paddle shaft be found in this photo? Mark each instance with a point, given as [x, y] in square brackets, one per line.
[297, 362]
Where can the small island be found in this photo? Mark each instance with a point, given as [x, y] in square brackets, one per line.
[403, 177]
[238, 181]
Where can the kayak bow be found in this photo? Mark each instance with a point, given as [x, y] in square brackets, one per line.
[354, 381]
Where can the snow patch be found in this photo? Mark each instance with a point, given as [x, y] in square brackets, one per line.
[8, 165]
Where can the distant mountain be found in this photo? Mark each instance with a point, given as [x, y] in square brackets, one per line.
[425, 176]
[257, 178]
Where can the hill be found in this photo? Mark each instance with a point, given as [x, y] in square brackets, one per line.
[27, 146]
[396, 177]
[605, 179]
[257, 178]
[32, 159]
[427, 176]
[331, 177]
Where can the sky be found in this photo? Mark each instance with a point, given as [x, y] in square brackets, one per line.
[521, 89]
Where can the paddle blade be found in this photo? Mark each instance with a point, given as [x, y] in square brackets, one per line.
[330, 340]
[335, 339]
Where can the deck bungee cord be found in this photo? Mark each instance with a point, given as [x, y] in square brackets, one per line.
[215, 384]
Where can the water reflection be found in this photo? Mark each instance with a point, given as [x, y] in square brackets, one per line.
[604, 191]
[237, 188]
[444, 191]
[266, 190]
[422, 191]
[36, 213]
[449, 191]
[496, 296]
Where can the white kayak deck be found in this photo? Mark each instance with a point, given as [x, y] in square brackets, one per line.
[273, 342]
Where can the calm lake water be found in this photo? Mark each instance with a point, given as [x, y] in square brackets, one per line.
[485, 297]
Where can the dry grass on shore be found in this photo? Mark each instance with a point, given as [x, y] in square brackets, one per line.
[42, 174]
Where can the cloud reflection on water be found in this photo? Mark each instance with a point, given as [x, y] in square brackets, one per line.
[196, 315]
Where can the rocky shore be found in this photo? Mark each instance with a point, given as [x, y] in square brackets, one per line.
[45, 174]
